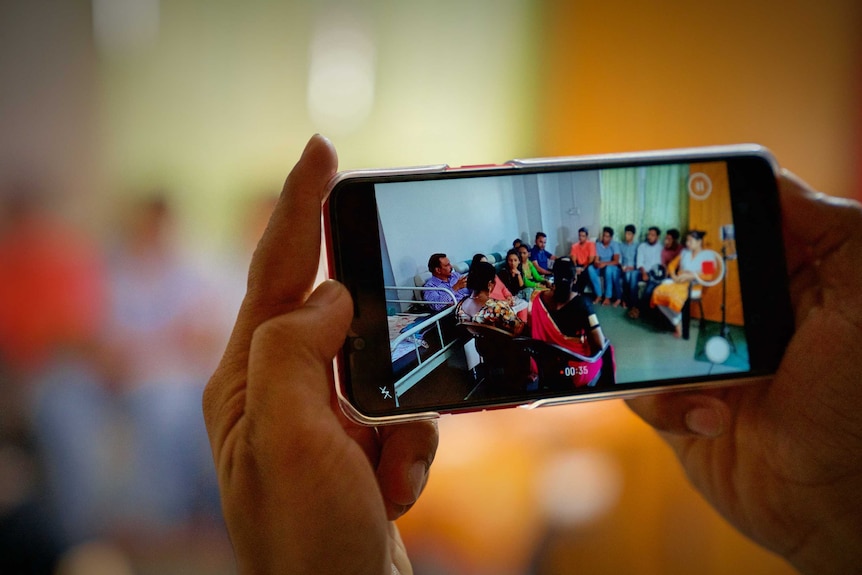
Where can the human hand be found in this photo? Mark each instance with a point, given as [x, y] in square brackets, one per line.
[683, 277]
[781, 461]
[303, 489]
[460, 283]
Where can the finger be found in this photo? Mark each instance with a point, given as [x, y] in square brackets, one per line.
[298, 347]
[683, 413]
[282, 269]
[405, 459]
[400, 561]
[820, 222]
[285, 262]
[288, 372]
[822, 233]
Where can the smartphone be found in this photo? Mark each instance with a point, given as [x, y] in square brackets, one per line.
[686, 287]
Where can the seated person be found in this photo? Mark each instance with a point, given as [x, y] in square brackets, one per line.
[500, 291]
[533, 280]
[542, 258]
[443, 276]
[608, 265]
[583, 254]
[564, 317]
[671, 295]
[511, 274]
[628, 263]
[672, 247]
[480, 307]
[648, 260]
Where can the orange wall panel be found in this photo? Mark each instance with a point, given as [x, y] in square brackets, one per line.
[709, 215]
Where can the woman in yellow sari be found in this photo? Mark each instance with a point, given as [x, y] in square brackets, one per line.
[693, 264]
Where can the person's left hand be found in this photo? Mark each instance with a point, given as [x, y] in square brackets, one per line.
[303, 489]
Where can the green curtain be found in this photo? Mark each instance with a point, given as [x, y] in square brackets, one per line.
[644, 196]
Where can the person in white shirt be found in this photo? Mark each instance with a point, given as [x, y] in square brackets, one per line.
[648, 259]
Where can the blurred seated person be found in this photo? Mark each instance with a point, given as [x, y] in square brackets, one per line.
[542, 258]
[566, 318]
[583, 255]
[517, 243]
[510, 273]
[629, 275]
[533, 280]
[672, 247]
[608, 265]
[670, 296]
[480, 307]
[648, 263]
[501, 292]
[443, 276]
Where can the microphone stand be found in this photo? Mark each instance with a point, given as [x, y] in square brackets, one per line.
[724, 330]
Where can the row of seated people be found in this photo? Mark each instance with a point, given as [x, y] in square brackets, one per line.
[615, 270]
[559, 316]
[522, 270]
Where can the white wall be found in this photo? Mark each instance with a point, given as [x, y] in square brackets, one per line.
[563, 202]
[465, 216]
[455, 217]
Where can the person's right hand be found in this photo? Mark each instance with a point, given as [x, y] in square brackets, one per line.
[461, 283]
[303, 489]
[782, 461]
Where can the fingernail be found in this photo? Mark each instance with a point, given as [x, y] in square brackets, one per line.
[316, 137]
[704, 421]
[416, 477]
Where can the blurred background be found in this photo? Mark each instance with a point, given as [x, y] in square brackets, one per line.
[143, 142]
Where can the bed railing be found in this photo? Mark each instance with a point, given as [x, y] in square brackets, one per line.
[424, 364]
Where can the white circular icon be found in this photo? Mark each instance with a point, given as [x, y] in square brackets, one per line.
[717, 349]
[699, 186]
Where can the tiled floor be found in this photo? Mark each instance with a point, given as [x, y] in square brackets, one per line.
[646, 348]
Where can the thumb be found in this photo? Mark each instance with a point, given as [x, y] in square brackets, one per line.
[291, 354]
[683, 413]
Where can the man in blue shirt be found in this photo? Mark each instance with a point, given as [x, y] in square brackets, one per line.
[628, 260]
[443, 276]
[608, 265]
[541, 257]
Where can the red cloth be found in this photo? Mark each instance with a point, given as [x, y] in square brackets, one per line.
[544, 329]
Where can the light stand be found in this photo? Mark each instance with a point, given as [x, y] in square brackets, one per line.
[719, 347]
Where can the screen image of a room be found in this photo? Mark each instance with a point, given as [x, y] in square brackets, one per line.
[461, 217]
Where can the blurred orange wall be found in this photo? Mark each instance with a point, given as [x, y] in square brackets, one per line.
[624, 75]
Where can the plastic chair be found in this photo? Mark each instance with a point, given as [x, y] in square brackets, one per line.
[553, 361]
[506, 363]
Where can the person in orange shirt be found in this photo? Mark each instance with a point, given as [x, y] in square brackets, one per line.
[584, 257]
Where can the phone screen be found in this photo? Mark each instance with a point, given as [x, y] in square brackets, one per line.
[626, 277]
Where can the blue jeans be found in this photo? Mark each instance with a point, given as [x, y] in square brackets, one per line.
[595, 282]
[629, 287]
[611, 275]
